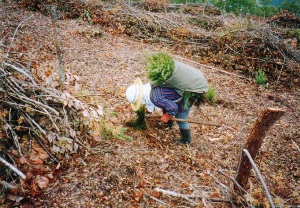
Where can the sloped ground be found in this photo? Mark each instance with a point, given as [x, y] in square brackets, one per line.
[124, 173]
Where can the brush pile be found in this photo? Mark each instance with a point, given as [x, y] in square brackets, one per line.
[235, 44]
[38, 121]
[202, 33]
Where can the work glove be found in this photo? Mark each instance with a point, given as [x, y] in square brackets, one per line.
[165, 118]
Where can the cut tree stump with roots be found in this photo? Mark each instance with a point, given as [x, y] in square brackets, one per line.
[266, 119]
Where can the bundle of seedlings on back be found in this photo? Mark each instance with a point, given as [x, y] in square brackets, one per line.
[139, 123]
[160, 67]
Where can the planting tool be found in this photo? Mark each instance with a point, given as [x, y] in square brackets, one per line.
[185, 120]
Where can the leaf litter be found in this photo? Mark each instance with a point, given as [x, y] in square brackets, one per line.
[121, 172]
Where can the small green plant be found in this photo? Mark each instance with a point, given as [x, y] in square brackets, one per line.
[107, 133]
[139, 123]
[110, 128]
[210, 95]
[117, 132]
[260, 77]
[121, 134]
[294, 33]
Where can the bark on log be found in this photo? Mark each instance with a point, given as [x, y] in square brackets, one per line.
[266, 119]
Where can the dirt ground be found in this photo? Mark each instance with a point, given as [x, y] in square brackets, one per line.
[125, 172]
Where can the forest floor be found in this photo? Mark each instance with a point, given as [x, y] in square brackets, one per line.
[124, 172]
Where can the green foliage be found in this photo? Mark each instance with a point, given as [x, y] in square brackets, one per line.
[110, 129]
[107, 133]
[266, 11]
[121, 134]
[210, 95]
[197, 99]
[139, 122]
[186, 97]
[294, 33]
[291, 5]
[265, 2]
[260, 77]
[118, 133]
[160, 67]
[237, 6]
[189, 1]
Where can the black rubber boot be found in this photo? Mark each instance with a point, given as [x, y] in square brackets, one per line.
[185, 136]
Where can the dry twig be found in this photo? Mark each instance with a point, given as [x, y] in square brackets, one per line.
[260, 177]
[16, 170]
[8, 185]
[186, 196]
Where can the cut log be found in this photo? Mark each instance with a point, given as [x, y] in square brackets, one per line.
[266, 119]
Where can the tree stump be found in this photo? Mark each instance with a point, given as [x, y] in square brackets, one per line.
[266, 119]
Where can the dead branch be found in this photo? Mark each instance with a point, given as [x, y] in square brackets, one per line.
[260, 177]
[197, 122]
[12, 40]
[34, 102]
[44, 147]
[5, 75]
[14, 135]
[218, 181]
[16, 170]
[233, 180]
[51, 119]
[20, 71]
[192, 196]
[32, 121]
[8, 185]
[18, 105]
[157, 200]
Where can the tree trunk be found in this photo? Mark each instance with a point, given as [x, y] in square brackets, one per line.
[267, 118]
[58, 48]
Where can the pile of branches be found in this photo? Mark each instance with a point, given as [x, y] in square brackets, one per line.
[65, 8]
[39, 122]
[204, 32]
[240, 45]
[285, 19]
[260, 48]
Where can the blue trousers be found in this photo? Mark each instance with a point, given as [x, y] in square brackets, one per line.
[183, 115]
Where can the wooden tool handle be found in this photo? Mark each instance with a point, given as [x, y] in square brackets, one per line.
[197, 122]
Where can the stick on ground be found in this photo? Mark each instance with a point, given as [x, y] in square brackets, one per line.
[16, 170]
